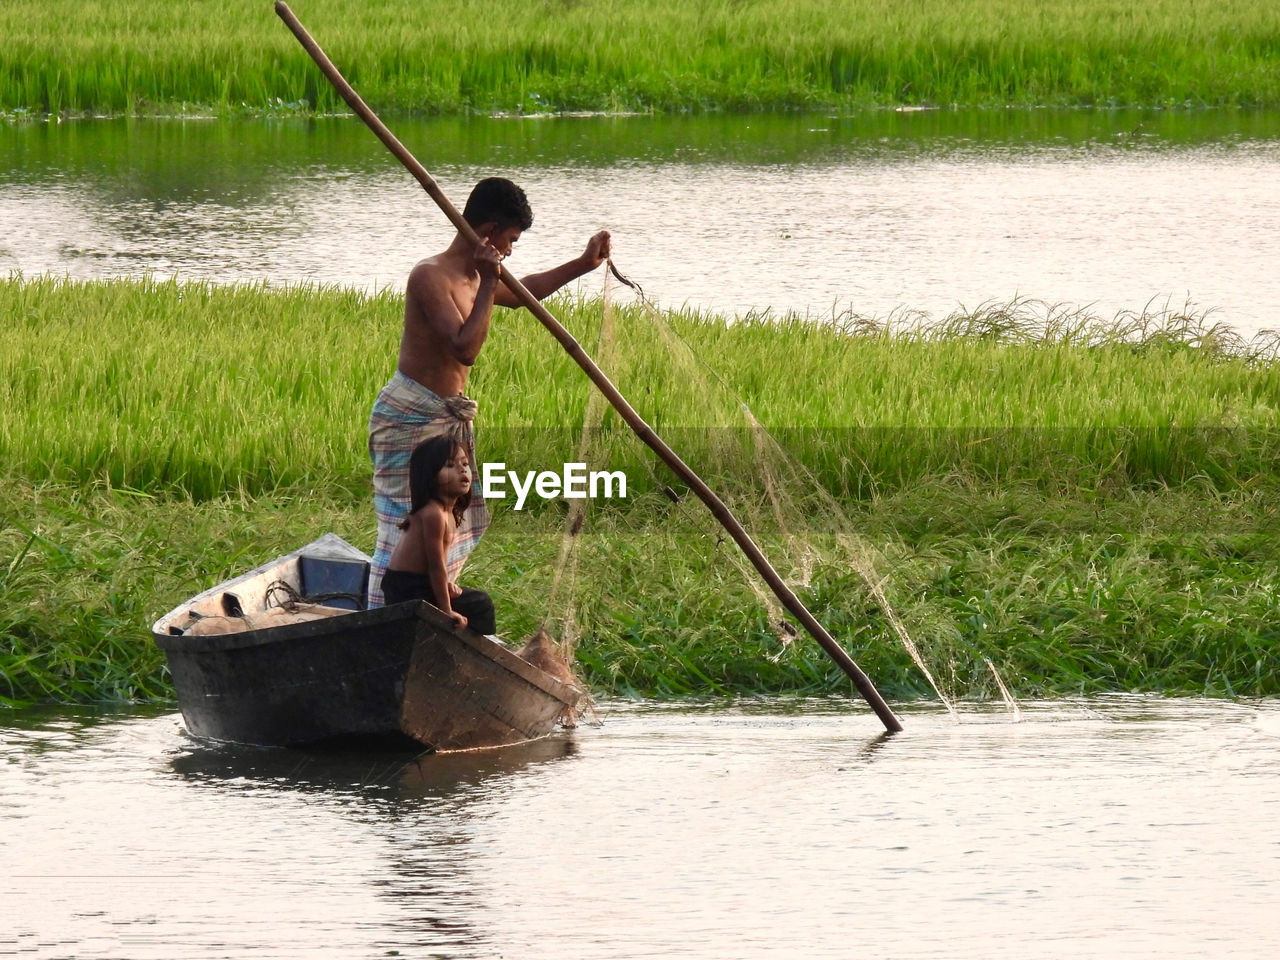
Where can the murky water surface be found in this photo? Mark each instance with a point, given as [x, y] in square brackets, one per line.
[1104, 210]
[1119, 827]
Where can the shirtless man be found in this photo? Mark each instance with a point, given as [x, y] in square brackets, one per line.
[448, 307]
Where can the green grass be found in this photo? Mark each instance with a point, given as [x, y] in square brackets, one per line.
[1168, 590]
[1091, 506]
[201, 390]
[132, 57]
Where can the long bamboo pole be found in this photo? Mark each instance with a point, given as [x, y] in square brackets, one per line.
[633, 419]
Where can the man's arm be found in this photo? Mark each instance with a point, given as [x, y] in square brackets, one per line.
[542, 285]
[462, 336]
[466, 343]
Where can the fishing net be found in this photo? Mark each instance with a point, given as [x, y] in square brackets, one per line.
[811, 538]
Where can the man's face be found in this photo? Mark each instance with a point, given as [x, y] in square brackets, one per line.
[500, 238]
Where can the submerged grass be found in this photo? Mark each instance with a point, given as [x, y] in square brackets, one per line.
[133, 57]
[1091, 506]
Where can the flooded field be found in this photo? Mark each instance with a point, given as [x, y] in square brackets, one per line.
[1104, 211]
[1117, 827]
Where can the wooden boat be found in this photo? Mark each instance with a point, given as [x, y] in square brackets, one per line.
[250, 665]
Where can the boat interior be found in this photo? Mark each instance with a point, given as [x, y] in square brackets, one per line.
[296, 589]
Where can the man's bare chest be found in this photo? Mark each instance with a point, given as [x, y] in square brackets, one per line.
[463, 294]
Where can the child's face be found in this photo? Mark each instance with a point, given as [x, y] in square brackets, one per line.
[454, 478]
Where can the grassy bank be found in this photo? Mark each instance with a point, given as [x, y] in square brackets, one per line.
[201, 390]
[133, 57]
[1171, 590]
[1091, 508]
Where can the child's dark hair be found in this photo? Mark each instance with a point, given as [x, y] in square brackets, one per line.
[425, 462]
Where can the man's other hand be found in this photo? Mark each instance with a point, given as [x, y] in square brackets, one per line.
[597, 251]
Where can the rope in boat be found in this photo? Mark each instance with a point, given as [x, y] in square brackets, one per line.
[292, 598]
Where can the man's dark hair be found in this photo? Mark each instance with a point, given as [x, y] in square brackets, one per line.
[498, 200]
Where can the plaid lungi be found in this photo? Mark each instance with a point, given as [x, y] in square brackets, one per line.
[405, 414]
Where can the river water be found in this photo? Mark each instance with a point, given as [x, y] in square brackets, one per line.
[1117, 827]
[883, 213]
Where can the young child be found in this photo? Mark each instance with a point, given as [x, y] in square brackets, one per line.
[440, 492]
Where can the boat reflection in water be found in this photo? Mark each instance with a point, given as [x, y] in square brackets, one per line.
[402, 835]
[363, 770]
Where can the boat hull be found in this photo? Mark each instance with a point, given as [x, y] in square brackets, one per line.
[394, 672]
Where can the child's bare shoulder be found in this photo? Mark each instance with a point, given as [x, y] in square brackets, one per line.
[433, 518]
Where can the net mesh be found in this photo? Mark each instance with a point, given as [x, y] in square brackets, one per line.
[802, 526]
